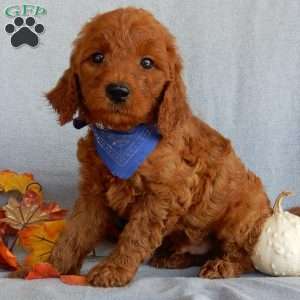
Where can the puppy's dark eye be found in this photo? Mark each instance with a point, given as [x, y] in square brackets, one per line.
[97, 58]
[147, 63]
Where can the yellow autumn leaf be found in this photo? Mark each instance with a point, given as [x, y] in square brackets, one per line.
[21, 182]
[39, 239]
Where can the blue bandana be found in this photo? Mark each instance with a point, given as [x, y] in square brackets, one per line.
[124, 152]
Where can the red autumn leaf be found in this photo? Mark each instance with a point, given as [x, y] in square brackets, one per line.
[7, 259]
[73, 279]
[41, 271]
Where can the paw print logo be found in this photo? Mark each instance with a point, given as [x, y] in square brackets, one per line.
[24, 33]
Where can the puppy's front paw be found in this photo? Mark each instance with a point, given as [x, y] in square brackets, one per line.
[109, 275]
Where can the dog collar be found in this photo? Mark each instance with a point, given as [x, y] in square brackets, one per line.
[124, 152]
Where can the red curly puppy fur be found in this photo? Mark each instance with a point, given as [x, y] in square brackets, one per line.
[191, 190]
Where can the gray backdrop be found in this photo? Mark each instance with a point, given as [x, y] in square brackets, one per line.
[242, 70]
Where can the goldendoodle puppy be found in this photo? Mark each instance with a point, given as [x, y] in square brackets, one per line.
[148, 160]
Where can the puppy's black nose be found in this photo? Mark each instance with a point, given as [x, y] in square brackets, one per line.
[117, 93]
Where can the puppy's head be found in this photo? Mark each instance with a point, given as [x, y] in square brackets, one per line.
[124, 70]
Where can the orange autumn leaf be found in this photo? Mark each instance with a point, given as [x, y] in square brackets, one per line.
[21, 182]
[42, 270]
[73, 279]
[39, 239]
[7, 259]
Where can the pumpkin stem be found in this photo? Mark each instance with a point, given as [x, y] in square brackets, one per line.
[277, 206]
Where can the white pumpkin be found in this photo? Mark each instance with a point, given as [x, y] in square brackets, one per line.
[277, 251]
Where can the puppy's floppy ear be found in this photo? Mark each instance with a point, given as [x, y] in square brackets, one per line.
[64, 97]
[174, 109]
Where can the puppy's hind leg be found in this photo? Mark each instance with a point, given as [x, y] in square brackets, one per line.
[226, 267]
[237, 248]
